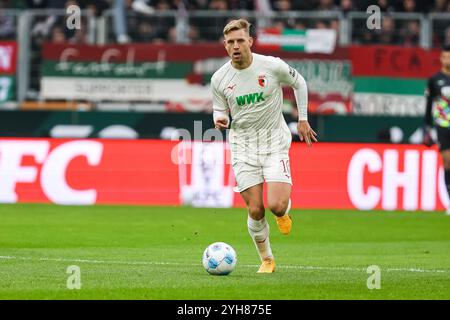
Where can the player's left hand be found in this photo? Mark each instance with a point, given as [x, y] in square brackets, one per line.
[306, 133]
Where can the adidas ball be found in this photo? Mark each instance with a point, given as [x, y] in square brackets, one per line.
[219, 258]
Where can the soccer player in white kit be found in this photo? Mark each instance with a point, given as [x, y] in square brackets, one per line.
[249, 88]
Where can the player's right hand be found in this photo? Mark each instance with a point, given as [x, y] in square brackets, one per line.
[306, 133]
[221, 123]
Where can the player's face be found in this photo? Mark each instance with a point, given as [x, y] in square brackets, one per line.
[445, 59]
[238, 44]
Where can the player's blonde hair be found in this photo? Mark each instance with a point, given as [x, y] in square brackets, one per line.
[237, 25]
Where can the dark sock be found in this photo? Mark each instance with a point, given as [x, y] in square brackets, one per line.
[447, 180]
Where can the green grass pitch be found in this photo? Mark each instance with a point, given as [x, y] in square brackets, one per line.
[132, 252]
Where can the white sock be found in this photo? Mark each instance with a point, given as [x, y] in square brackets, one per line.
[288, 207]
[259, 231]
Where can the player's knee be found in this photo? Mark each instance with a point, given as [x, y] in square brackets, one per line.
[446, 161]
[446, 164]
[256, 211]
[278, 207]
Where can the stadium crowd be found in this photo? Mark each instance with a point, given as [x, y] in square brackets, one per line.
[135, 21]
[148, 6]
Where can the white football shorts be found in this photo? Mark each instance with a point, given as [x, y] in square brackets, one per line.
[250, 170]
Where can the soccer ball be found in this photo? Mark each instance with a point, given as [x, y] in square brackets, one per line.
[219, 258]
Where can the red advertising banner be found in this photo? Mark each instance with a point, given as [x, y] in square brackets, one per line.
[8, 58]
[394, 61]
[8, 61]
[154, 172]
[367, 176]
[167, 52]
[377, 60]
[179, 75]
[87, 171]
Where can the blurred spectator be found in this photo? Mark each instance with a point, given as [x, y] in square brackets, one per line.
[334, 24]
[367, 37]
[36, 4]
[385, 5]
[95, 7]
[164, 5]
[410, 34]
[172, 35]
[446, 41]
[263, 9]
[193, 35]
[43, 27]
[282, 5]
[306, 5]
[7, 22]
[345, 6]
[321, 25]
[279, 25]
[439, 25]
[439, 6]
[197, 4]
[409, 6]
[120, 21]
[387, 34]
[160, 25]
[241, 5]
[59, 4]
[146, 32]
[300, 25]
[163, 24]
[57, 35]
[327, 5]
[211, 29]
[219, 5]
[15, 4]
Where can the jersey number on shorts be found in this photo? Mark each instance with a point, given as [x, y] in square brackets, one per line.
[286, 169]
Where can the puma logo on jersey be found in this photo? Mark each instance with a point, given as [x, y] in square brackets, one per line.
[231, 87]
[250, 98]
[292, 71]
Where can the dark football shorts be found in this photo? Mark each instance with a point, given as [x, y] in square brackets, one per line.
[443, 135]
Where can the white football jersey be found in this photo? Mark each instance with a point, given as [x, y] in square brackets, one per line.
[254, 99]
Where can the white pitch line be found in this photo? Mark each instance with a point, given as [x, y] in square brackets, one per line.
[300, 267]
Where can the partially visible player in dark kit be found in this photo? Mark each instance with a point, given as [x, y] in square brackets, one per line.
[438, 112]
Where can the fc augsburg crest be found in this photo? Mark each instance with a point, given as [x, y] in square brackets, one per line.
[262, 80]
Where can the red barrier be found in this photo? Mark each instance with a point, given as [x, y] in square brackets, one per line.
[367, 176]
[8, 57]
[343, 176]
[87, 171]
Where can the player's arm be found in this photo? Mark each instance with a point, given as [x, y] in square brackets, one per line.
[291, 77]
[429, 95]
[220, 108]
